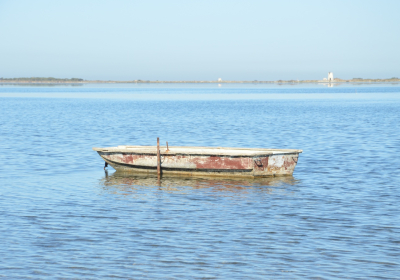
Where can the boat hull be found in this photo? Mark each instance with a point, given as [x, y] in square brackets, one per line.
[204, 165]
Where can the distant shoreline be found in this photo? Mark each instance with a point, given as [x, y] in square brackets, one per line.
[27, 81]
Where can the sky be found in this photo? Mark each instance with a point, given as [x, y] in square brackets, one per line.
[199, 40]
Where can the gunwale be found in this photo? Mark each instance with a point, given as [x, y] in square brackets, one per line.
[198, 151]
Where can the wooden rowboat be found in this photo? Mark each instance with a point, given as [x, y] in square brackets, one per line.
[201, 161]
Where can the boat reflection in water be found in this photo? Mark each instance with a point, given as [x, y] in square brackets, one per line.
[126, 183]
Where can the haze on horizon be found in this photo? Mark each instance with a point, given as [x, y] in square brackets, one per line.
[204, 40]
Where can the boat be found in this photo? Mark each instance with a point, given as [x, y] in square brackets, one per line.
[201, 161]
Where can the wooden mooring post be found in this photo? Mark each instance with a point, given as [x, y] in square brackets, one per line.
[158, 158]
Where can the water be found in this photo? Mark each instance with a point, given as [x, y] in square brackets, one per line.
[63, 217]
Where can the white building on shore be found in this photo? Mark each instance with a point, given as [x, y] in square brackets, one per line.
[330, 77]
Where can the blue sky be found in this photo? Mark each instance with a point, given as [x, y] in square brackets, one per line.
[199, 40]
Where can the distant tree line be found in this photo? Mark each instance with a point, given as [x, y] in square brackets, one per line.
[50, 80]
[393, 79]
[38, 79]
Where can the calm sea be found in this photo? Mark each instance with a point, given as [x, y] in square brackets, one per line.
[63, 217]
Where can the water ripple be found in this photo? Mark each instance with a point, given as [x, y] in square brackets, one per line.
[63, 217]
